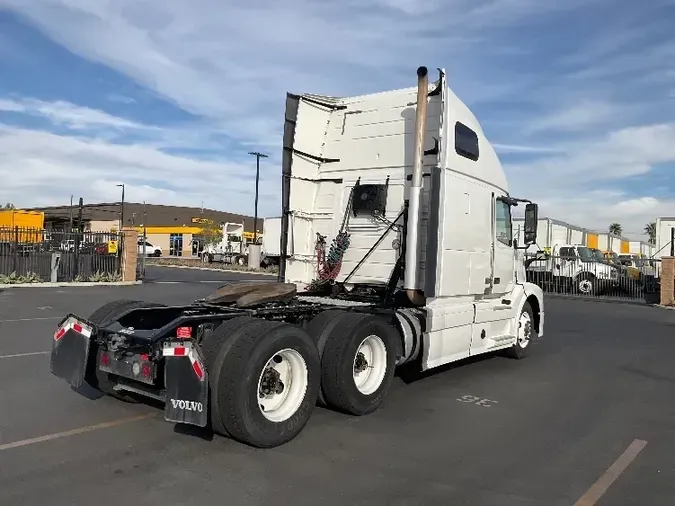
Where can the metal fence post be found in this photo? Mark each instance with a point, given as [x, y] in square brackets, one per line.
[145, 239]
[16, 249]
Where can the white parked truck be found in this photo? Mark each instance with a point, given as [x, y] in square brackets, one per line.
[271, 242]
[396, 248]
[575, 268]
[230, 249]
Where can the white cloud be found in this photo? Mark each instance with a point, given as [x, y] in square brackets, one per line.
[577, 186]
[516, 148]
[231, 64]
[68, 114]
[577, 117]
[45, 169]
[122, 99]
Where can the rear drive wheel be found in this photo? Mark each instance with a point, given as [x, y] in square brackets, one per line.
[525, 334]
[266, 382]
[216, 344]
[358, 362]
[320, 328]
[100, 380]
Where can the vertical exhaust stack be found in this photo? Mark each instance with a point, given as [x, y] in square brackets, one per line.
[416, 295]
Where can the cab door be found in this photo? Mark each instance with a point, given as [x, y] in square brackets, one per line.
[503, 253]
[495, 311]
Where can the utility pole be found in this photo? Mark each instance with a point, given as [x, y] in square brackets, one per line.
[70, 230]
[78, 239]
[121, 207]
[145, 239]
[258, 156]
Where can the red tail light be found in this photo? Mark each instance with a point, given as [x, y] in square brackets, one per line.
[184, 332]
[105, 359]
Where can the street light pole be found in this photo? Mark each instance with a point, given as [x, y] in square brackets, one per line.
[121, 206]
[258, 156]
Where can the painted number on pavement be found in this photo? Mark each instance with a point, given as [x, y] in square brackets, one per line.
[478, 401]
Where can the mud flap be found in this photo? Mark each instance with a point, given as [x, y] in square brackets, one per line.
[187, 384]
[70, 351]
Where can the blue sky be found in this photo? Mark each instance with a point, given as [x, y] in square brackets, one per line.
[577, 96]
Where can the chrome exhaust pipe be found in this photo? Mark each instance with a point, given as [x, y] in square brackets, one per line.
[410, 281]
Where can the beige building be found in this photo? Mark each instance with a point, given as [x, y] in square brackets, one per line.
[176, 230]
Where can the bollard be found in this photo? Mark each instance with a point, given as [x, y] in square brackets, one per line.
[56, 262]
[254, 256]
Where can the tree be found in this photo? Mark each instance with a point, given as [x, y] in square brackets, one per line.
[9, 205]
[650, 230]
[211, 233]
[615, 228]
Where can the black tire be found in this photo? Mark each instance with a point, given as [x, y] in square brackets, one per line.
[320, 328]
[347, 333]
[237, 370]
[213, 344]
[518, 350]
[96, 378]
[586, 284]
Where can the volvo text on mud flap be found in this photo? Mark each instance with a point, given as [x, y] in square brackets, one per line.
[187, 385]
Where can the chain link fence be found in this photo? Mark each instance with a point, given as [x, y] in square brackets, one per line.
[36, 255]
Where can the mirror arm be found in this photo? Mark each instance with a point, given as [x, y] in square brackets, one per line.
[512, 201]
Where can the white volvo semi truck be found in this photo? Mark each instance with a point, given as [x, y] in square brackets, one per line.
[396, 248]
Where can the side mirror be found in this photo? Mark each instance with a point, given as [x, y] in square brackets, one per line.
[531, 221]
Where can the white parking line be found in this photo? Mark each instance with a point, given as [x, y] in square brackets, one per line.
[17, 355]
[593, 494]
[32, 319]
[74, 432]
[208, 281]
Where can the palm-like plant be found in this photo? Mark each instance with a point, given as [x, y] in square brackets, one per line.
[615, 228]
[650, 230]
[9, 205]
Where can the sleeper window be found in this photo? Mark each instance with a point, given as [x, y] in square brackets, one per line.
[466, 142]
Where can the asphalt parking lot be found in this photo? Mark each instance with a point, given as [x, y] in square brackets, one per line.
[493, 431]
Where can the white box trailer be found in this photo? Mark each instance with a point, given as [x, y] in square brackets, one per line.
[664, 245]
[551, 232]
[396, 218]
[642, 248]
[611, 243]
